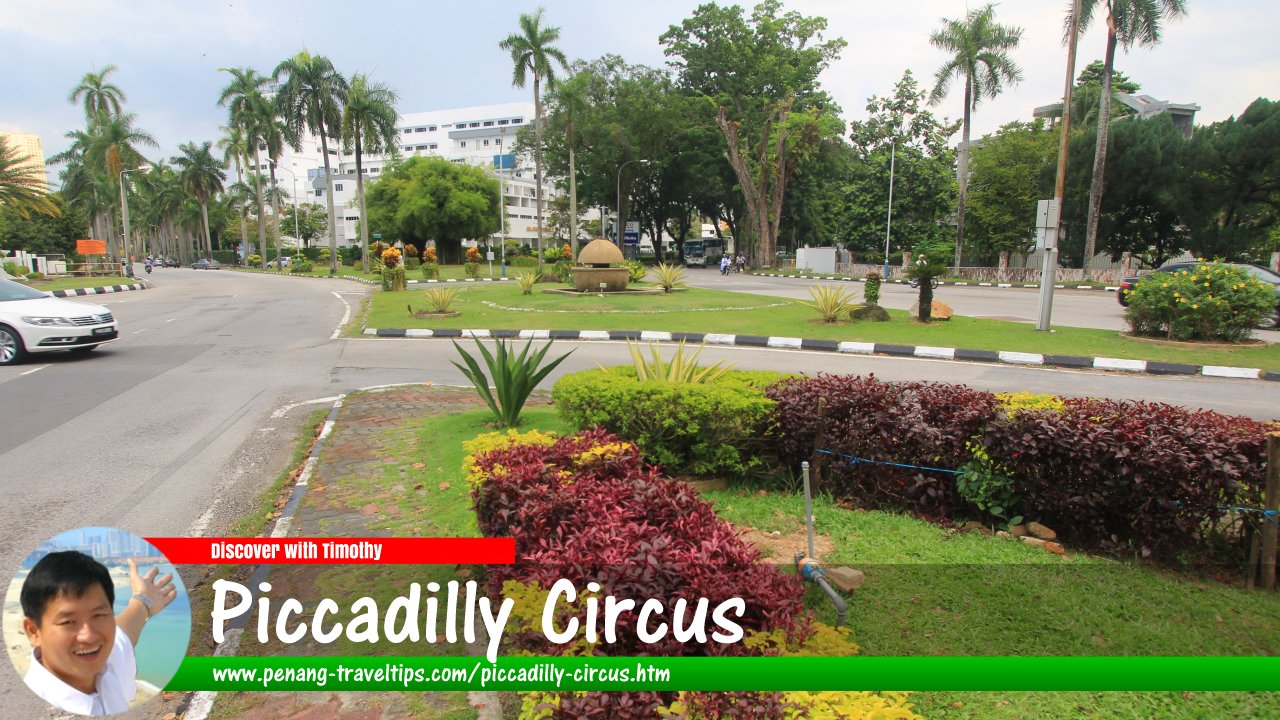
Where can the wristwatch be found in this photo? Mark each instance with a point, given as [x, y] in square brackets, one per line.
[146, 602]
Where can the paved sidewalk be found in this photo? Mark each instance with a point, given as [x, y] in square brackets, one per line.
[353, 492]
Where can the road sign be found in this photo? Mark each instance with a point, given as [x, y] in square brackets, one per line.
[377, 236]
[631, 236]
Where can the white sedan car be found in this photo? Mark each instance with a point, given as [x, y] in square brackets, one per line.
[32, 322]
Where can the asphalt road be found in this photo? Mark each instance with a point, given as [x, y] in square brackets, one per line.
[177, 427]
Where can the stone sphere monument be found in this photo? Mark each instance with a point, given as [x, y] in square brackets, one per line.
[593, 271]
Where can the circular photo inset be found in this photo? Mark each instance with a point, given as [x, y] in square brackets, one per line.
[96, 621]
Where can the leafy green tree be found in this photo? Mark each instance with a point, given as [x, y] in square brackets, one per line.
[201, 176]
[368, 125]
[54, 232]
[22, 187]
[533, 54]
[760, 74]
[899, 135]
[311, 222]
[1007, 169]
[1236, 184]
[234, 145]
[1129, 22]
[98, 96]
[429, 198]
[1149, 195]
[310, 97]
[979, 55]
[161, 196]
[814, 204]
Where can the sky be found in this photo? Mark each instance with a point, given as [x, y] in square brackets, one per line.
[442, 55]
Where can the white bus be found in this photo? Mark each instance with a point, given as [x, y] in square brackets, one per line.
[704, 252]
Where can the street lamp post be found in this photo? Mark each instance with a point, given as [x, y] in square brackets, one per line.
[888, 223]
[124, 214]
[295, 211]
[621, 221]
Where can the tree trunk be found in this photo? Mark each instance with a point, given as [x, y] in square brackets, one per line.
[275, 208]
[537, 157]
[1002, 271]
[963, 168]
[1100, 152]
[926, 299]
[262, 208]
[333, 223]
[573, 196]
[204, 217]
[364, 217]
[763, 207]
[244, 219]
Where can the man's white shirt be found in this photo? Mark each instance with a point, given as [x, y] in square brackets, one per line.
[116, 684]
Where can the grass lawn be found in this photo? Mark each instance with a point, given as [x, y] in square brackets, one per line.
[70, 283]
[717, 311]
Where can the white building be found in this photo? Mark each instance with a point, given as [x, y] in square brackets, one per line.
[483, 136]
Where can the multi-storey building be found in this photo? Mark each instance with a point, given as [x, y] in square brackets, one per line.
[483, 136]
[27, 146]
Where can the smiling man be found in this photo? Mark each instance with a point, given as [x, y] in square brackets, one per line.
[82, 655]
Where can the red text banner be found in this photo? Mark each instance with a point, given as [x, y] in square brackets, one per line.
[338, 551]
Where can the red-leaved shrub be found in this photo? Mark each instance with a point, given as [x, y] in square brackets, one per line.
[911, 423]
[588, 509]
[1131, 476]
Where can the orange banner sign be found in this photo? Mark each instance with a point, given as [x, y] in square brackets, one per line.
[91, 247]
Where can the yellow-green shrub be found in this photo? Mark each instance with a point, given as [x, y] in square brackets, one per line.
[498, 441]
[1015, 402]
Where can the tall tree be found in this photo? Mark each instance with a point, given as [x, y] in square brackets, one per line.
[1129, 22]
[201, 176]
[310, 98]
[533, 54]
[98, 95]
[1008, 168]
[757, 72]
[368, 125]
[979, 49]
[250, 112]
[429, 198]
[22, 186]
[234, 145]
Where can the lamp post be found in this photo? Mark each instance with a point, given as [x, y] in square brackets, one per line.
[888, 223]
[124, 213]
[295, 211]
[621, 220]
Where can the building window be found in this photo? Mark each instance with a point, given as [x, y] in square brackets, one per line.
[364, 170]
[498, 142]
[502, 122]
[488, 123]
[433, 146]
[408, 130]
[374, 170]
[432, 128]
[421, 129]
[462, 143]
[352, 218]
[517, 121]
[486, 143]
[319, 192]
[475, 124]
[337, 188]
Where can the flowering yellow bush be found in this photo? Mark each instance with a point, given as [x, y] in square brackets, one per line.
[566, 252]
[473, 255]
[390, 257]
[1211, 302]
[602, 453]
[497, 441]
[429, 255]
[1014, 403]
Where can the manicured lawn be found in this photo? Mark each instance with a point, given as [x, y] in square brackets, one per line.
[715, 311]
[71, 283]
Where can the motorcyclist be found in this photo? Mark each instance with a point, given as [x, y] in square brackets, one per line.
[724, 264]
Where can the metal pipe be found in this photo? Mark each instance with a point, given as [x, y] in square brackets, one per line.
[842, 608]
[808, 507]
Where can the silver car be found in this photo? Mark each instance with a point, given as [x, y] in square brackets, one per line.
[33, 322]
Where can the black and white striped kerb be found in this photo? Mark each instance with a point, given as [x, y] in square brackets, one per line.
[1006, 357]
[105, 289]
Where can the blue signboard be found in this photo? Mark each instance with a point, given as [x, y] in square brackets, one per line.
[631, 236]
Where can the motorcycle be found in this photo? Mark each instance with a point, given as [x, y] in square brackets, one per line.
[934, 282]
[148, 268]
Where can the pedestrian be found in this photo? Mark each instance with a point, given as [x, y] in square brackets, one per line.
[742, 263]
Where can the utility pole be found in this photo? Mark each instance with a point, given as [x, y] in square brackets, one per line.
[1053, 240]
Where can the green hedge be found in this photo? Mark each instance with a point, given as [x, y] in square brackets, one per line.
[226, 257]
[690, 429]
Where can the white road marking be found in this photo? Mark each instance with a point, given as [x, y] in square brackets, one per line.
[170, 320]
[285, 410]
[32, 370]
[346, 316]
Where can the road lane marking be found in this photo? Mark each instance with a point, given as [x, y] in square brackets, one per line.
[346, 316]
[32, 370]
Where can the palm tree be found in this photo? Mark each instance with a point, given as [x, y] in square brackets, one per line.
[234, 145]
[202, 178]
[532, 52]
[1128, 22]
[572, 96]
[310, 98]
[22, 187]
[368, 124]
[98, 95]
[247, 106]
[274, 135]
[979, 49]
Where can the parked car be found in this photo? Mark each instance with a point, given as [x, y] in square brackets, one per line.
[32, 322]
[172, 262]
[203, 264]
[282, 262]
[1260, 273]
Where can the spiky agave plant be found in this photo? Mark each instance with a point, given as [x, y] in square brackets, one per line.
[681, 368]
[442, 298]
[513, 376]
[669, 276]
[830, 302]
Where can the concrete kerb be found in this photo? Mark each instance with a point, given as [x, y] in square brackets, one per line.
[1002, 357]
[102, 290]
[201, 703]
[963, 283]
